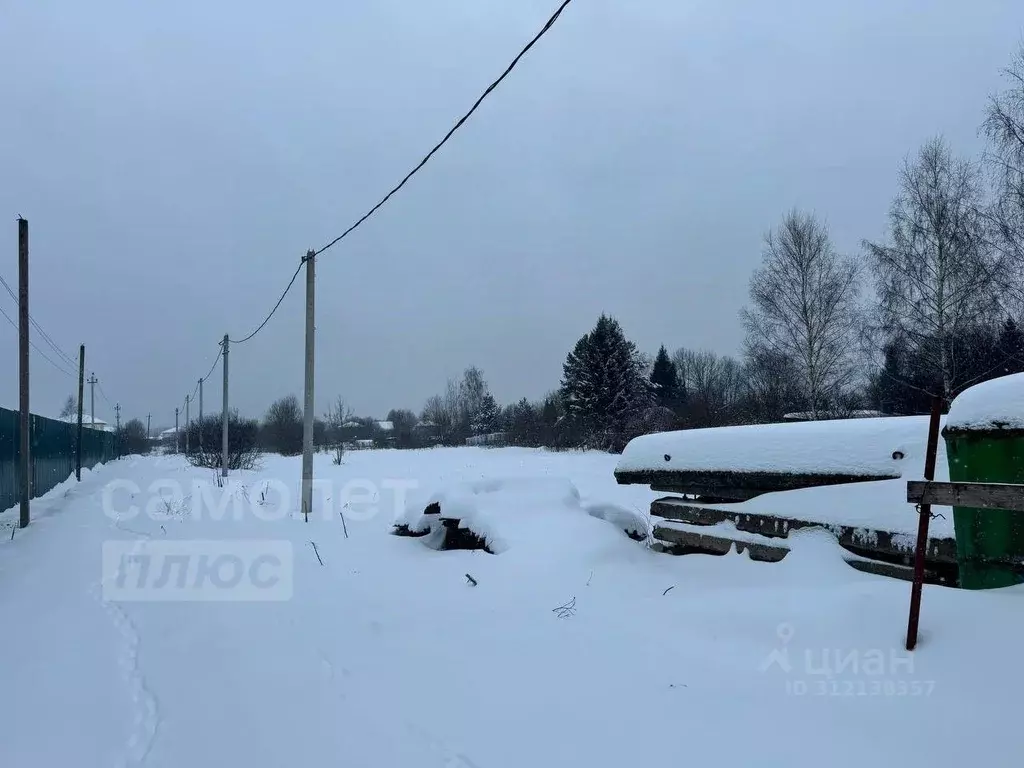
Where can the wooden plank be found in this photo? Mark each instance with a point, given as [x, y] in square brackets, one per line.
[978, 495]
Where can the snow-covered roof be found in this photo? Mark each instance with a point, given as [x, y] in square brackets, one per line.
[168, 432]
[88, 423]
[850, 447]
[86, 419]
[994, 404]
[386, 426]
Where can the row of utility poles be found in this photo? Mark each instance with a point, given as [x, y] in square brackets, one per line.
[307, 416]
[25, 419]
[23, 367]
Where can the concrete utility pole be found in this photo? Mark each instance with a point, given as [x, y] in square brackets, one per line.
[307, 422]
[149, 417]
[81, 394]
[23, 405]
[224, 416]
[118, 442]
[187, 421]
[175, 430]
[202, 446]
[92, 398]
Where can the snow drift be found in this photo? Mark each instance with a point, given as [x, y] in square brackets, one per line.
[504, 512]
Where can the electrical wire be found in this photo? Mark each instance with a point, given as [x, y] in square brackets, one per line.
[46, 337]
[550, 23]
[36, 348]
[212, 367]
[267, 319]
[103, 394]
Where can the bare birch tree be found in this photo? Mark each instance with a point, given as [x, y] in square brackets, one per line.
[804, 307]
[936, 277]
[1004, 128]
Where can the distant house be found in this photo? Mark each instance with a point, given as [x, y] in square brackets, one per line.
[427, 433]
[88, 423]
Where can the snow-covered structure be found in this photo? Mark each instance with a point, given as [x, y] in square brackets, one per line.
[997, 404]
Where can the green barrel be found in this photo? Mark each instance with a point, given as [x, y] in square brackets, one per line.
[988, 541]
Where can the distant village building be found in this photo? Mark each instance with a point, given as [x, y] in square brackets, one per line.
[88, 423]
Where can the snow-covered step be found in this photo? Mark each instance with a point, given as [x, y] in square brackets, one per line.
[683, 539]
[870, 542]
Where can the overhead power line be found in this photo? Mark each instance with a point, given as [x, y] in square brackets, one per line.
[543, 31]
[104, 394]
[550, 23]
[461, 121]
[62, 355]
[36, 348]
[267, 319]
[212, 367]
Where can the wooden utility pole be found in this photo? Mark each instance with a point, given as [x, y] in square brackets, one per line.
[307, 423]
[224, 415]
[176, 436]
[187, 420]
[117, 417]
[23, 404]
[81, 394]
[149, 417]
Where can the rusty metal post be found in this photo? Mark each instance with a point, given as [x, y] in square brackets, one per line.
[924, 518]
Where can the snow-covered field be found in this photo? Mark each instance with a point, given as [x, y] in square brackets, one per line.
[387, 655]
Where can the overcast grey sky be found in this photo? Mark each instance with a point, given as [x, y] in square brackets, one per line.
[175, 160]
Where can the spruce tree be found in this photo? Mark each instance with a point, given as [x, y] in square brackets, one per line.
[603, 384]
[488, 416]
[1010, 348]
[665, 380]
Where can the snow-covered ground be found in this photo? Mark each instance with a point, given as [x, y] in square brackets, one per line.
[387, 655]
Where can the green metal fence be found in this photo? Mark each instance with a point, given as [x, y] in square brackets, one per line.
[52, 453]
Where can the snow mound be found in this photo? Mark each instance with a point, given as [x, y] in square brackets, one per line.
[995, 404]
[631, 521]
[507, 511]
[856, 447]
